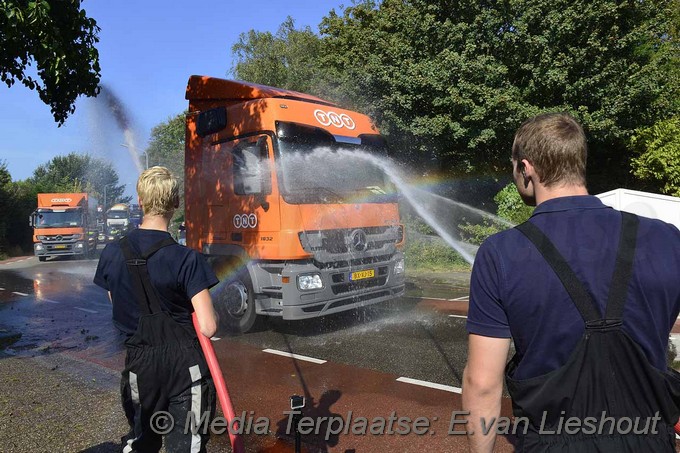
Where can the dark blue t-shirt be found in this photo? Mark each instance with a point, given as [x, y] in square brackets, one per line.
[177, 272]
[514, 292]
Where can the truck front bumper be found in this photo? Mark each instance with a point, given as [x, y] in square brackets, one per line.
[61, 249]
[339, 291]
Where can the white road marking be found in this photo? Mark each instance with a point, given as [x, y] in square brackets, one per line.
[19, 294]
[86, 310]
[425, 298]
[294, 356]
[457, 316]
[446, 388]
[462, 298]
[43, 299]
[2, 289]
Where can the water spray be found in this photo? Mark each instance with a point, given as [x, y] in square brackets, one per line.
[122, 118]
[417, 198]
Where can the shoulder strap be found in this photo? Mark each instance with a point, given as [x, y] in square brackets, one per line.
[157, 246]
[581, 298]
[623, 269]
[145, 293]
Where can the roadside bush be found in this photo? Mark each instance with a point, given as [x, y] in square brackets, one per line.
[425, 254]
[510, 208]
[510, 205]
[478, 232]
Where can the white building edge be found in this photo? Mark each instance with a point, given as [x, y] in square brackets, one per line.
[646, 204]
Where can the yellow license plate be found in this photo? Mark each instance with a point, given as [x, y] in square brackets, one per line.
[360, 275]
[59, 246]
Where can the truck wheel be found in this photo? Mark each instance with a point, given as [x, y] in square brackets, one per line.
[235, 305]
[42, 258]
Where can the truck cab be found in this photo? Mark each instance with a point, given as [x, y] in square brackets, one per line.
[118, 218]
[61, 226]
[136, 216]
[294, 226]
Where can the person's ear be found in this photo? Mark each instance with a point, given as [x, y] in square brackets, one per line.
[526, 169]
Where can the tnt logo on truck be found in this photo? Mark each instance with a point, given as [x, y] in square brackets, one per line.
[328, 118]
[61, 200]
[245, 220]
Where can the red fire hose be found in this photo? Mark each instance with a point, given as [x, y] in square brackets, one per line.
[220, 387]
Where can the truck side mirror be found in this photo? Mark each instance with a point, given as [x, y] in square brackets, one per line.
[211, 121]
[30, 220]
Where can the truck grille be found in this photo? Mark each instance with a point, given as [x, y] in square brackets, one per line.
[350, 244]
[58, 238]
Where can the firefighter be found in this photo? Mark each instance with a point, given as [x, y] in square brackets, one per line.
[155, 285]
[588, 294]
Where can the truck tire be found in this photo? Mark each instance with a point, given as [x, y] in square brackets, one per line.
[42, 258]
[235, 305]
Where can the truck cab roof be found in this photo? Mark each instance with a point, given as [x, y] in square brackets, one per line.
[203, 88]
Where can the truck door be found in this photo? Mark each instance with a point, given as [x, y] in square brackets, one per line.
[244, 209]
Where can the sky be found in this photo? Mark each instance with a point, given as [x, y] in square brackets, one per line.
[147, 50]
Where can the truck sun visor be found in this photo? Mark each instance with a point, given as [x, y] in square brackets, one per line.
[303, 133]
[211, 121]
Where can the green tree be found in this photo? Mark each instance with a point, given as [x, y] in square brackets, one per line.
[455, 79]
[659, 156]
[22, 202]
[166, 148]
[80, 173]
[287, 59]
[17, 201]
[56, 37]
[5, 204]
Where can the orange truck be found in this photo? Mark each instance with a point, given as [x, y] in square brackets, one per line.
[293, 226]
[61, 225]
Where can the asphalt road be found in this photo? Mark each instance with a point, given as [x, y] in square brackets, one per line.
[405, 355]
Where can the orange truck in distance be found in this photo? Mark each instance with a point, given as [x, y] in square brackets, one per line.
[61, 225]
[294, 227]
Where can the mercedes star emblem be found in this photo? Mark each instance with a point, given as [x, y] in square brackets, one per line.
[359, 240]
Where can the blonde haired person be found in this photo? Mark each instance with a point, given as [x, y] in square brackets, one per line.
[155, 285]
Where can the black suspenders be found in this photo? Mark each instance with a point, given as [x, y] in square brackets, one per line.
[623, 270]
[145, 293]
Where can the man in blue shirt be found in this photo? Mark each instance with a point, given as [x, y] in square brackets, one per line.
[543, 292]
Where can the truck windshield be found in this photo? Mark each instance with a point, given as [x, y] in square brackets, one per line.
[317, 167]
[47, 218]
[117, 215]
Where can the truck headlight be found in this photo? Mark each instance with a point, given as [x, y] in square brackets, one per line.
[312, 281]
[399, 267]
[79, 245]
[39, 247]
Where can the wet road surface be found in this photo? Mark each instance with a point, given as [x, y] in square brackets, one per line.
[402, 359]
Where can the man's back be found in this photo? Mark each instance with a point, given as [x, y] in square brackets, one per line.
[177, 273]
[515, 293]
